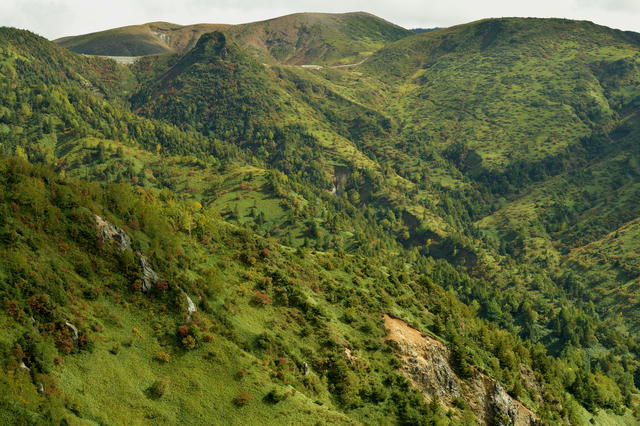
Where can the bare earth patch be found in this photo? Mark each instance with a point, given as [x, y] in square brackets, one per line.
[426, 363]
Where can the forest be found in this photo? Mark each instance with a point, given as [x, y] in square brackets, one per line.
[204, 238]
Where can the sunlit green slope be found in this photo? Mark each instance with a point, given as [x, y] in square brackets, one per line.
[408, 206]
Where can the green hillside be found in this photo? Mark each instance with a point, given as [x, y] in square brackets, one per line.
[301, 38]
[476, 183]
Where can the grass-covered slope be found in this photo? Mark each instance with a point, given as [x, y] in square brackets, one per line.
[406, 217]
[302, 38]
[318, 38]
[509, 92]
[138, 40]
[265, 315]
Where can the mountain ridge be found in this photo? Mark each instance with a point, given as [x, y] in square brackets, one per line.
[283, 39]
[234, 207]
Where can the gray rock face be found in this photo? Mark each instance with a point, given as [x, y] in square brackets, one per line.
[191, 306]
[149, 277]
[109, 231]
[32, 320]
[74, 333]
[501, 407]
[426, 363]
[430, 370]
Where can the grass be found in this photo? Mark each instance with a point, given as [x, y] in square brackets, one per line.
[423, 134]
[607, 418]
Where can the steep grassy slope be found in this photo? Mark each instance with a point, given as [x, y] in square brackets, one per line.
[33, 59]
[265, 313]
[302, 38]
[510, 92]
[410, 216]
[139, 40]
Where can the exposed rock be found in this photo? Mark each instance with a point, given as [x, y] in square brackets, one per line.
[348, 356]
[306, 369]
[32, 320]
[504, 411]
[529, 381]
[149, 277]
[74, 331]
[24, 367]
[191, 306]
[109, 231]
[426, 363]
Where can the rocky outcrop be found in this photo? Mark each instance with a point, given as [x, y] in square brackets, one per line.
[149, 277]
[32, 320]
[503, 410]
[191, 306]
[426, 363]
[74, 333]
[109, 231]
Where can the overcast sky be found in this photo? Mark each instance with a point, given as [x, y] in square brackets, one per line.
[57, 18]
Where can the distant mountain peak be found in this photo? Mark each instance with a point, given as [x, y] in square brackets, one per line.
[300, 38]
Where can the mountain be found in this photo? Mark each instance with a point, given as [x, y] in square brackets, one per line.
[441, 234]
[138, 40]
[312, 38]
[424, 30]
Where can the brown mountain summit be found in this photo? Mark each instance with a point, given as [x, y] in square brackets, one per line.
[294, 39]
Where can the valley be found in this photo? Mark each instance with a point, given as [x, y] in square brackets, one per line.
[309, 183]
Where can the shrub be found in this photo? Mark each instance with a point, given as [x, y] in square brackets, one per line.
[459, 403]
[162, 356]
[160, 387]
[242, 399]
[275, 396]
[189, 343]
[261, 298]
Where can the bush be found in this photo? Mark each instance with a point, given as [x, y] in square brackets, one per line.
[261, 298]
[189, 343]
[276, 395]
[459, 403]
[242, 399]
[160, 387]
[162, 356]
